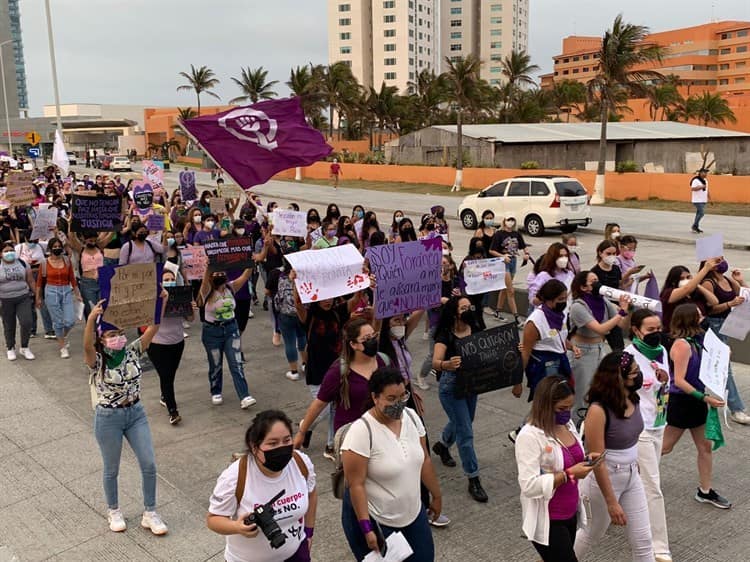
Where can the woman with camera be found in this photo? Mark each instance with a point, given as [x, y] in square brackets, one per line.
[265, 502]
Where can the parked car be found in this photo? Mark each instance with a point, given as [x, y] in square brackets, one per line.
[537, 202]
[120, 164]
[72, 158]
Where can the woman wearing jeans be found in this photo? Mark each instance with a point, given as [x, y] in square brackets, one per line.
[16, 287]
[90, 258]
[115, 377]
[280, 287]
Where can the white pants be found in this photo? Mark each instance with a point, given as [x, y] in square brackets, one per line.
[649, 455]
[628, 489]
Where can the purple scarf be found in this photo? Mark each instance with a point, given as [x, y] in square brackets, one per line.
[554, 319]
[596, 304]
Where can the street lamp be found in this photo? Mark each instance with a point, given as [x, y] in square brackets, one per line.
[5, 95]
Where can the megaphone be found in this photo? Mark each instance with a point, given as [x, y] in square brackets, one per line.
[636, 300]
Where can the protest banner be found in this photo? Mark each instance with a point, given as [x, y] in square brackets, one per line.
[188, 190]
[231, 191]
[155, 222]
[709, 247]
[636, 300]
[737, 324]
[316, 234]
[489, 360]
[289, 223]
[45, 223]
[180, 302]
[153, 174]
[482, 276]
[143, 196]
[19, 188]
[218, 206]
[229, 253]
[194, 262]
[714, 369]
[131, 293]
[101, 213]
[325, 274]
[408, 276]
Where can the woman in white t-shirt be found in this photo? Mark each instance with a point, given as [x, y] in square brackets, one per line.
[272, 471]
[385, 458]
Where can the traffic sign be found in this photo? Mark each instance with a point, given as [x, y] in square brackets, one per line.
[34, 152]
[33, 138]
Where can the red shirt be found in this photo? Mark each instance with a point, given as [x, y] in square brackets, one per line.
[335, 169]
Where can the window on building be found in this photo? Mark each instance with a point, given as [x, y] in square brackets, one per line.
[411, 47]
[739, 80]
[389, 62]
[496, 32]
[724, 66]
[389, 47]
[389, 33]
[725, 51]
[456, 11]
[420, 50]
[420, 22]
[456, 35]
[742, 49]
[455, 58]
[420, 7]
[742, 33]
[421, 64]
[496, 69]
[496, 57]
[556, 73]
[495, 82]
[585, 69]
[429, 51]
[713, 52]
[723, 82]
[389, 4]
[455, 46]
[411, 33]
[411, 19]
[389, 18]
[586, 57]
[741, 64]
[346, 36]
[345, 50]
[389, 76]
[345, 7]
[566, 72]
[566, 61]
[496, 8]
[576, 59]
[345, 21]
[347, 63]
[576, 71]
[496, 45]
[455, 23]
[726, 35]
[411, 76]
[421, 36]
[496, 20]
[411, 62]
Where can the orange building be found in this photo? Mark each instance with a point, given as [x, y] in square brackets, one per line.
[713, 57]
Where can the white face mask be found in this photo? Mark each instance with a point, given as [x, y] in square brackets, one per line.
[561, 262]
[446, 252]
[197, 219]
[610, 260]
[683, 282]
[210, 224]
[398, 332]
[240, 231]
[615, 235]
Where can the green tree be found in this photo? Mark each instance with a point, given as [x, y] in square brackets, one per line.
[383, 105]
[200, 80]
[662, 98]
[426, 95]
[566, 95]
[254, 85]
[304, 82]
[517, 69]
[710, 108]
[623, 53]
[186, 113]
[339, 89]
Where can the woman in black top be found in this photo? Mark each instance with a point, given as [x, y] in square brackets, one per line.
[609, 274]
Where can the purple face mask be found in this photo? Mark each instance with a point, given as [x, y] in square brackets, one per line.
[562, 418]
[723, 267]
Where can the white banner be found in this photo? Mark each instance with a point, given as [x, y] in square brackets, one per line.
[636, 300]
[709, 247]
[483, 276]
[44, 223]
[737, 324]
[714, 364]
[289, 223]
[328, 273]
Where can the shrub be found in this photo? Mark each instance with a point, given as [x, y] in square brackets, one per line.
[530, 165]
[627, 166]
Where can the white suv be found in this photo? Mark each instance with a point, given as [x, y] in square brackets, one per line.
[120, 164]
[537, 202]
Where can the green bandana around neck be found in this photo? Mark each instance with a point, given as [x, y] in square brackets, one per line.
[113, 359]
[651, 353]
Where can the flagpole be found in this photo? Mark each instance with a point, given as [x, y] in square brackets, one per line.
[54, 66]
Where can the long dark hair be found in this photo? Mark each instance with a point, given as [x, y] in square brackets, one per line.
[351, 333]
[412, 234]
[673, 277]
[548, 392]
[608, 385]
[449, 314]
[548, 262]
[580, 280]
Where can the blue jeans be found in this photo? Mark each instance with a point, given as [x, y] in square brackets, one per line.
[734, 400]
[427, 363]
[90, 293]
[417, 533]
[459, 430]
[220, 341]
[294, 336]
[59, 303]
[110, 426]
[700, 211]
[327, 414]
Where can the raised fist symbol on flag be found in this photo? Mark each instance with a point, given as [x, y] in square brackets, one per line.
[251, 125]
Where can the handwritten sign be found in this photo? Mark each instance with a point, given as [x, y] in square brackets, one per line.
[737, 324]
[102, 213]
[194, 262]
[44, 223]
[229, 253]
[483, 276]
[19, 188]
[408, 276]
[153, 174]
[188, 190]
[289, 223]
[489, 360]
[180, 302]
[155, 222]
[132, 295]
[328, 273]
[709, 247]
[218, 206]
[231, 191]
[714, 364]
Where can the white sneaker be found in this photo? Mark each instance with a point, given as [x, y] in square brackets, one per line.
[247, 401]
[217, 400]
[292, 376]
[440, 521]
[26, 353]
[11, 355]
[151, 520]
[116, 521]
[421, 383]
[64, 353]
[737, 417]
[185, 335]
[250, 314]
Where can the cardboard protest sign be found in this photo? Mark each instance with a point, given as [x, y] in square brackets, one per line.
[101, 213]
[289, 223]
[231, 191]
[483, 276]
[408, 276]
[328, 273]
[714, 369]
[45, 223]
[229, 253]
[218, 206]
[194, 262]
[131, 292]
[709, 247]
[155, 222]
[489, 360]
[143, 196]
[180, 301]
[737, 324]
[188, 190]
[153, 174]
[19, 188]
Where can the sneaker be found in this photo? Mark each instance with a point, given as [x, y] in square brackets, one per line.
[265, 305]
[292, 375]
[151, 520]
[32, 335]
[422, 383]
[519, 321]
[50, 336]
[513, 435]
[175, 418]
[713, 498]
[663, 558]
[116, 521]
[476, 491]
[276, 339]
[247, 401]
[26, 354]
[250, 314]
[489, 311]
[217, 400]
[432, 373]
[185, 335]
[440, 521]
[329, 453]
[64, 353]
[738, 417]
[11, 355]
[444, 453]
[162, 402]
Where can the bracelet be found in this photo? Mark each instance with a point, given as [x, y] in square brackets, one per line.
[622, 313]
[698, 395]
[570, 475]
[365, 525]
[309, 532]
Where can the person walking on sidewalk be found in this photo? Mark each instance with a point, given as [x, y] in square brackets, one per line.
[335, 173]
[115, 378]
[699, 197]
[16, 287]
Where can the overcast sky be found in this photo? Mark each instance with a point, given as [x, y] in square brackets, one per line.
[130, 51]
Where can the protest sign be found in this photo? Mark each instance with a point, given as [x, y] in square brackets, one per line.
[229, 253]
[408, 276]
[131, 293]
[153, 174]
[289, 223]
[482, 276]
[143, 196]
[737, 324]
[714, 364]
[180, 302]
[19, 188]
[325, 274]
[489, 360]
[155, 222]
[45, 223]
[636, 300]
[218, 206]
[194, 262]
[316, 234]
[101, 213]
[231, 191]
[188, 191]
[709, 247]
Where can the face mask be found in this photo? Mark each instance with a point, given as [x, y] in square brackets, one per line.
[637, 382]
[360, 214]
[91, 245]
[398, 219]
[170, 242]
[440, 215]
[562, 418]
[196, 219]
[467, 316]
[141, 236]
[560, 307]
[330, 233]
[722, 268]
[167, 284]
[652, 340]
[595, 288]
[208, 201]
[704, 325]
[9, 257]
[446, 253]
[57, 251]
[218, 281]
[240, 231]
[628, 254]
[614, 235]
[394, 411]
[31, 244]
[115, 343]
[489, 222]
[278, 458]
[610, 260]
[173, 260]
[561, 263]
[370, 347]
[683, 282]
[398, 332]
[430, 227]
[210, 224]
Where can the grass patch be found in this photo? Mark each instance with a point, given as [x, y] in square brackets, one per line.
[395, 186]
[654, 204]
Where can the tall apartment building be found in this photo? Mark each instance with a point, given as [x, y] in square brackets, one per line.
[19, 66]
[13, 62]
[487, 29]
[387, 41]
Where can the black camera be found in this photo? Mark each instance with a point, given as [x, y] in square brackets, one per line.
[263, 519]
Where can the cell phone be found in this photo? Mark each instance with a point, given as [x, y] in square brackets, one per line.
[597, 460]
[639, 268]
[226, 223]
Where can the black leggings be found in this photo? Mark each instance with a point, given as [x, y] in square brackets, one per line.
[562, 536]
[166, 359]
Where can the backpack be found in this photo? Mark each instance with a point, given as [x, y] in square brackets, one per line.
[283, 300]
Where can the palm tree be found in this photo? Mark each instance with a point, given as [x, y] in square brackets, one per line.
[383, 106]
[566, 95]
[201, 80]
[166, 148]
[427, 94]
[338, 88]
[710, 108]
[254, 86]
[623, 52]
[517, 69]
[185, 113]
[463, 87]
[304, 82]
[662, 97]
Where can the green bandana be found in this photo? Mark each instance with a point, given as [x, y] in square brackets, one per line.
[113, 359]
[713, 429]
[651, 353]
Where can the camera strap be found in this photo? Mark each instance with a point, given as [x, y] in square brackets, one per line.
[239, 491]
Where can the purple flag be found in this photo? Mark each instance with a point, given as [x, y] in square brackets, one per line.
[254, 143]
[652, 289]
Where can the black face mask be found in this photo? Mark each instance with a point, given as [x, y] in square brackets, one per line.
[595, 288]
[440, 215]
[429, 227]
[704, 325]
[467, 317]
[560, 307]
[278, 458]
[57, 251]
[370, 347]
[652, 340]
[91, 245]
[141, 236]
[173, 260]
[218, 281]
[637, 383]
